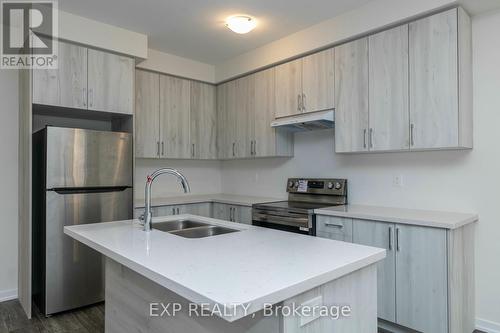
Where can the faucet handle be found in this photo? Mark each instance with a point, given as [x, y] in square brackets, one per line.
[141, 219]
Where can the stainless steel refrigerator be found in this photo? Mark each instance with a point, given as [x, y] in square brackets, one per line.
[79, 177]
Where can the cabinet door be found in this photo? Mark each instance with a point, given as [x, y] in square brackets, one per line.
[147, 114]
[165, 210]
[221, 211]
[110, 82]
[388, 81]
[380, 234]
[318, 81]
[242, 214]
[244, 116]
[421, 278]
[175, 117]
[67, 85]
[351, 96]
[228, 121]
[288, 88]
[336, 228]
[203, 121]
[200, 209]
[222, 119]
[264, 136]
[434, 81]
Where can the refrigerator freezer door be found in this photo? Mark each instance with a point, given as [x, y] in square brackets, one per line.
[74, 272]
[86, 158]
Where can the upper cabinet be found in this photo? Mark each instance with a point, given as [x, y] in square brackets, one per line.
[174, 118]
[147, 113]
[440, 81]
[203, 115]
[351, 95]
[110, 82]
[65, 86]
[246, 108]
[86, 79]
[407, 88]
[305, 84]
[388, 90]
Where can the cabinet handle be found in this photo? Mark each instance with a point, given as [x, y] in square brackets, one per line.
[412, 137]
[371, 137]
[162, 148]
[84, 93]
[364, 138]
[192, 150]
[91, 97]
[158, 148]
[397, 240]
[299, 105]
[330, 224]
[303, 102]
[173, 211]
[234, 143]
[178, 211]
[254, 147]
[390, 238]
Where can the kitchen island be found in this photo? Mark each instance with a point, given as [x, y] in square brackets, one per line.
[244, 281]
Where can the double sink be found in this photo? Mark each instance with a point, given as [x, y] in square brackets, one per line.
[191, 229]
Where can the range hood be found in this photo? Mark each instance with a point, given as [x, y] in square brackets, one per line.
[306, 121]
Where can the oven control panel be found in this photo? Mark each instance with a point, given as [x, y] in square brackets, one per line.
[327, 186]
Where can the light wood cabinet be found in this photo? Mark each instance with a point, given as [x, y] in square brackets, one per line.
[87, 79]
[288, 88]
[388, 90]
[426, 281]
[421, 278]
[318, 81]
[175, 117]
[245, 110]
[232, 213]
[305, 84]
[147, 113]
[65, 86]
[351, 96]
[110, 82]
[203, 121]
[381, 235]
[408, 88]
[336, 228]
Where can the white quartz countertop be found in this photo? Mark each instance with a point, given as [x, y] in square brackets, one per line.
[429, 218]
[255, 266]
[232, 199]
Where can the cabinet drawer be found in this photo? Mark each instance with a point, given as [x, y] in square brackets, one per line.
[337, 228]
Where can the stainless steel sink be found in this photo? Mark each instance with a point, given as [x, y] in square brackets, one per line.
[191, 229]
[201, 232]
[169, 226]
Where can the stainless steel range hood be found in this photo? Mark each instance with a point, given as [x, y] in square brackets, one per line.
[306, 121]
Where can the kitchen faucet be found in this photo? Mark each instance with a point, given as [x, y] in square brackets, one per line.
[147, 216]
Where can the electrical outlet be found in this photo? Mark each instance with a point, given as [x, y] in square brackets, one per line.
[397, 181]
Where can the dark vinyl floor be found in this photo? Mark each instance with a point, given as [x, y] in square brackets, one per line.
[86, 320]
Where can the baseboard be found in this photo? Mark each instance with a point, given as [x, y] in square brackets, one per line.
[487, 326]
[7, 295]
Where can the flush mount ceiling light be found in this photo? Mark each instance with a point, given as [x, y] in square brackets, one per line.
[241, 24]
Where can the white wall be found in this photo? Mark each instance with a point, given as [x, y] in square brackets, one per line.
[8, 181]
[204, 177]
[467, 181]
[174, 65]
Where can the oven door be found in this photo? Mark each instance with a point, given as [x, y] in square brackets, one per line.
[301, 223]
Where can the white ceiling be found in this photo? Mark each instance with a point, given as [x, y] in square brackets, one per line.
[195, 28]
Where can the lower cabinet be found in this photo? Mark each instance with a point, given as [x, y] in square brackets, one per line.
[336, 228]
[233, 213]
[426, 281]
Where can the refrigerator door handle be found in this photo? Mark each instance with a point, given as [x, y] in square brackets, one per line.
[80, 190]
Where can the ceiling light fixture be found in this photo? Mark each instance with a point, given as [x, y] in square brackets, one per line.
[241, 24]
